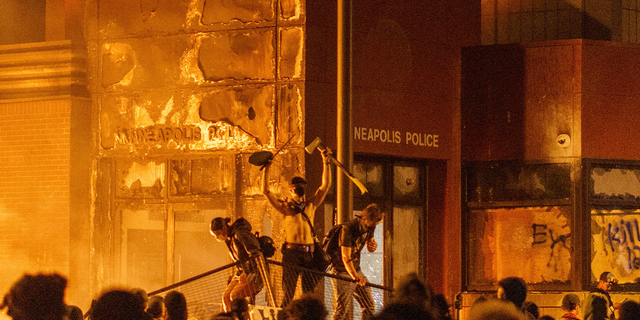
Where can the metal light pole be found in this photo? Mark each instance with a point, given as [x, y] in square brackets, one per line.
[344, 133]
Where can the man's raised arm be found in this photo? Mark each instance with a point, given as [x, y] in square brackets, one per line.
[321, 193]
[267, 193]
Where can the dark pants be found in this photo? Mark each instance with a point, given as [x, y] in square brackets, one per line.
[345, 291]
[294, 259]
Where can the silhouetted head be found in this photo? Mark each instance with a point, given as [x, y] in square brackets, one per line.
[117, 305]
[606, 281]
[176, 305]
[596, 306]
[441, 306]
[74, 313]
[35, 297]
[401, 310]
[629, 310]
[570, 302]
[307, 307]
[493, 309]
[156, 305]
[513, 289]
[532, 308]
[240, 308]
[141, 297]
[413, 290]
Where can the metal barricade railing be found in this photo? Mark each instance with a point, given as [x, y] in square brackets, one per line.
[204, 292]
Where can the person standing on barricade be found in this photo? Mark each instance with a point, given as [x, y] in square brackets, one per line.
[243, 246]
[299, 211]
[354, 235]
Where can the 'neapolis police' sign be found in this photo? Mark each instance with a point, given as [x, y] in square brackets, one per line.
[396, 137]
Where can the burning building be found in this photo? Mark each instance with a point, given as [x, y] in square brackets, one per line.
[483, 127]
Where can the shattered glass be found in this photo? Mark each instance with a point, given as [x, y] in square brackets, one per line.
[516, 181]
[213, 176]
[207, 176]
[140, 179]
[372, 263]
[615, 183]
[406, 183]
[371, 175]
[180, 176]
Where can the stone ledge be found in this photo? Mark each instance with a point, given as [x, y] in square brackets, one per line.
[42, 69]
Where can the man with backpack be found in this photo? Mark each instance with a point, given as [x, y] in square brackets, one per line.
[353, 236]
[243, 246]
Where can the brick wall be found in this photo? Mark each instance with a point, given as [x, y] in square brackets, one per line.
[34, 188]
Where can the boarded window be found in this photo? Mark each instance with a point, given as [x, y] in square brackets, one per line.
[615, 238]
[533, 243]
[614, 206]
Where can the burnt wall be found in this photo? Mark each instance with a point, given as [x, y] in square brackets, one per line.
[183, 93]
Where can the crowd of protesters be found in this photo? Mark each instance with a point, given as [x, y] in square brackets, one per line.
[41, 297]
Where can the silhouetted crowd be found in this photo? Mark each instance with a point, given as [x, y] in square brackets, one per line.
[41, 297]
[511, 304]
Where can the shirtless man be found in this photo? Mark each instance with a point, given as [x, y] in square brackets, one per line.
[297, 251]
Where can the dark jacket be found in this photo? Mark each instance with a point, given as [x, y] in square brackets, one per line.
[243, 244]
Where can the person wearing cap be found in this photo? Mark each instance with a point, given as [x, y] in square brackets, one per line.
[605, 283]
[298, 215]
[570, 305]
[243, 246]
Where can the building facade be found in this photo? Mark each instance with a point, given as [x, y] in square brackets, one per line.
[485, 129]
[152, 108]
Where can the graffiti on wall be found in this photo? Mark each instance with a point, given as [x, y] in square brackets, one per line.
[616, 243]
[532, 243]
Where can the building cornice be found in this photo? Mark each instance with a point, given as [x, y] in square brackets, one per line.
[42, 69]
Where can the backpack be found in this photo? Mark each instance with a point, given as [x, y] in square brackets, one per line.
[331, 242]
[267, 247]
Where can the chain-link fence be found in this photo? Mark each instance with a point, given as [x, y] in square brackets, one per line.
[204, 292]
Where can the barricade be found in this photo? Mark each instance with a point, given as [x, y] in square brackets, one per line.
[204, 292]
